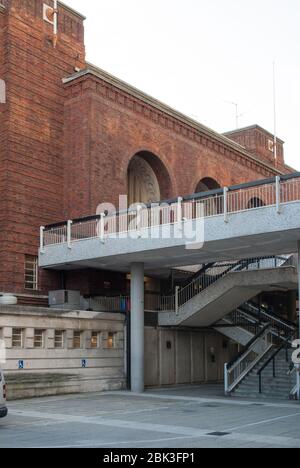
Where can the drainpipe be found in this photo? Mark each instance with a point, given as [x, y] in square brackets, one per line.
[298, 367]
[128, 350]
[299, 286]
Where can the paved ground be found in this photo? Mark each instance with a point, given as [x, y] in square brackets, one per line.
[175, 418]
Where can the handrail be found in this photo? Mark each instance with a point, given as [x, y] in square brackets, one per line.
[278, 323]
[246, 361]
[195, 196]
[197, 285]
[272, 358]
[227, 201]
[273, 315]
[248, 346]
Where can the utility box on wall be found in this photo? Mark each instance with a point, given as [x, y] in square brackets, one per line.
[66, 300]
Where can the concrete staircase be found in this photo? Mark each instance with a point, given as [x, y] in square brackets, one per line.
[272, 388]
[227, 294]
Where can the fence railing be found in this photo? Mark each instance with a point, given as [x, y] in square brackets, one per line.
[221, 269]
[237, 370]
[272, 192]
[172, 303]
[153, 303]
[277, 323]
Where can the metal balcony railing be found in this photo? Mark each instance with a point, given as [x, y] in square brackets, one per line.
[220, 202]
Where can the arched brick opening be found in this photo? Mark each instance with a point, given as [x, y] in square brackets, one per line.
[255, 202]
[212, 205]
[148, 179]
[206, 184]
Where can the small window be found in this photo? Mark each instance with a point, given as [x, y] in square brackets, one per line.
[39, 339]
[31, 272]
[95, 340]
[111, 340]
[77, 340]
[59, 339]
[17, 338]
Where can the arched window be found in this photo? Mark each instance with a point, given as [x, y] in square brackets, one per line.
[148, 180]
[207, 184]
[212, 205]
[255, 202]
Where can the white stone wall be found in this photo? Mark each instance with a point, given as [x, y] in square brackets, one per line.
[49, 371]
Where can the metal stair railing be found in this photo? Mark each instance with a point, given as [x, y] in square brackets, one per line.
[295, 390]
[272, 359]
[240, 319]
[221, 269]
[244, 363]
[289, 329]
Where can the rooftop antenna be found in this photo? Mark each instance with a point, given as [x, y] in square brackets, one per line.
[275, 111]
[237, 115]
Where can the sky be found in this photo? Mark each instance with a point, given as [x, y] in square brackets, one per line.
[200, 56]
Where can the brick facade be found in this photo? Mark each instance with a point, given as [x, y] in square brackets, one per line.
[65, 145]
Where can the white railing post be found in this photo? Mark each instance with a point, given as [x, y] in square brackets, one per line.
[226, 379]
[42, 243]
[69, 234]
[278, 197]
[177, 300]
[139, 220]
[225, 204]
[101, 227]
[179, 211]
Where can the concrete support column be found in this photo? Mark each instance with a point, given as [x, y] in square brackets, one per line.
[137, 327]
[299, 286]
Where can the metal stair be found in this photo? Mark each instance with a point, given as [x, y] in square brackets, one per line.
[223, 288]
[244, 324]
[278, 387]
[263, 371]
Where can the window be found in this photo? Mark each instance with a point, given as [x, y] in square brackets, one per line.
[77, 340]
[95, 340]
[17, 337]
[31, 272]
[59, 339]
[111, 342]
[39, 339]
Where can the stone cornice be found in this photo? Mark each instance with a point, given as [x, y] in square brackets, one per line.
[172, 119]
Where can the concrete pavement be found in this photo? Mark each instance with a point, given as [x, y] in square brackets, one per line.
[171, 418]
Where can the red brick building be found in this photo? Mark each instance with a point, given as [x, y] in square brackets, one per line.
[72, 136]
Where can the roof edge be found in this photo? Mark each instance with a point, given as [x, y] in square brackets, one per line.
[252, 127]
[99, 73]
[62, 4]
[71, 10]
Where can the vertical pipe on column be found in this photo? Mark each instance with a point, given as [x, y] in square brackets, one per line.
[299, 286]
[42, 241]
[298, 370]
[137, 327]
